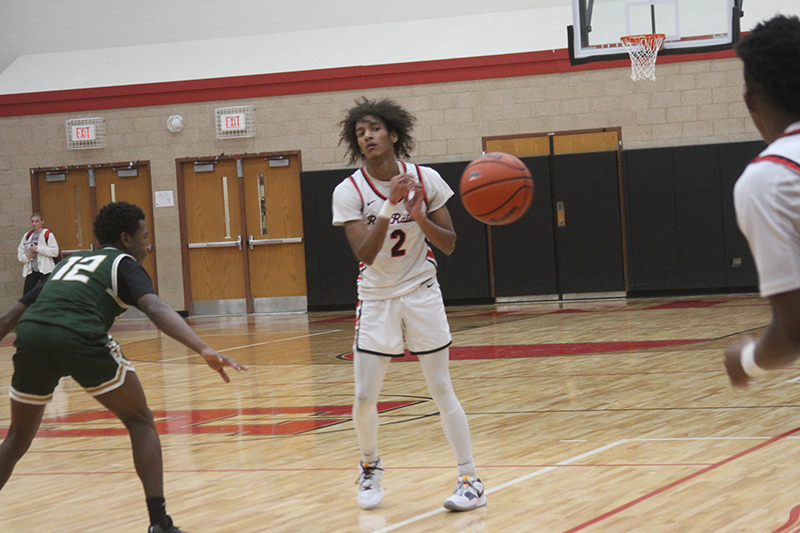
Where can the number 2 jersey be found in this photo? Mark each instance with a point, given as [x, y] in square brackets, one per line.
[87, 291]
[405, 260]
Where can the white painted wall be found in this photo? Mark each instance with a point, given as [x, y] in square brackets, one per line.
[70, 44]
[45, 26]
[384, 43]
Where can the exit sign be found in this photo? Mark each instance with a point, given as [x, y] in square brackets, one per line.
[85, 132]
[234, 122]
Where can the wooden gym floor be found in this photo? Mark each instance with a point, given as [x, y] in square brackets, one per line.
[593, 416]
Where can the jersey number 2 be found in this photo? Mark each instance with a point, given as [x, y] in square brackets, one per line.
[397, 249]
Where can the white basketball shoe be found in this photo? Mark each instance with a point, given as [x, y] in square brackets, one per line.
[467, 496]
[370, 492]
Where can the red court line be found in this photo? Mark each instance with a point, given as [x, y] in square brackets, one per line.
[290, 421]
[335, 469]
[348, 318]
[516, 351]
[137, 326]
[794, 514]
[490, 313]
[686, 304]
[681, 481]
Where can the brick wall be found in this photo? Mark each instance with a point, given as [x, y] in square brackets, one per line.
[693, 102]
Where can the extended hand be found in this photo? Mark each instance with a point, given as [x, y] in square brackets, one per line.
[219, 361]
[733, 364]
[414, 201]
[401, 184]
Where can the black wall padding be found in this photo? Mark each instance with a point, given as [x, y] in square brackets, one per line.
[463, 275]
[331, 267]
[523, 253]
[589, 247]
[733, 159]
[680, 221]
[651, 224]
[698, 212]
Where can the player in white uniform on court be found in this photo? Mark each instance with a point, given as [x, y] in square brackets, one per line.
[390, 210]
[767, 195]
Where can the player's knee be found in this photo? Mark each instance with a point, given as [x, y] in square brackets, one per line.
[364, 399]
[138, 418]
[440, 388]
[17, 443]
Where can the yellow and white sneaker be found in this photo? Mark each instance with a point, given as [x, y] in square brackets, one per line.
[370, 492]
[467, 496]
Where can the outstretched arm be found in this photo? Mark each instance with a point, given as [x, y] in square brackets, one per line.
[9, 319]
[171, 323]
[777, 348]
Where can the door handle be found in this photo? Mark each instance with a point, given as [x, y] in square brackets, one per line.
[70, 252]
[561, 218]
[287, 240]
[222, 244]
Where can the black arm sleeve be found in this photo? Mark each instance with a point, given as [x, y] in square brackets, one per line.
[29, 297]
[133, 281]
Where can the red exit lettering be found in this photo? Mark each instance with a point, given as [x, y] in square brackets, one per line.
[82, 132]
[232, 122]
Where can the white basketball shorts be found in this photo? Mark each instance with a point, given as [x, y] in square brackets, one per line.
[418, 318]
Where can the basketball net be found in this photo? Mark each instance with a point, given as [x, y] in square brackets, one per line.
[643, 50]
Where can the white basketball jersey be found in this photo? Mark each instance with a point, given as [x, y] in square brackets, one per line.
[767, 201]
[405, 260]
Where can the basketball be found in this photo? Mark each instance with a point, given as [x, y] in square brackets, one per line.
[496, 188]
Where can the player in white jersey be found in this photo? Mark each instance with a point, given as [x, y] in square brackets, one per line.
[767, 195]
[390, 211]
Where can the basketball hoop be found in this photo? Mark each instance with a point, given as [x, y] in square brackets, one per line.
[643, 50]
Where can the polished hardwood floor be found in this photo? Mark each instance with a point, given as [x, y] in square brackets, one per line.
[591, 416]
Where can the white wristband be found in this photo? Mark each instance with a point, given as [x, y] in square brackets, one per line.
[748, 360]
[389, 209]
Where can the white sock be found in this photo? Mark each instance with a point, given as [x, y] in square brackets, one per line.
[435, 366]
[456, 429]
[369, 371]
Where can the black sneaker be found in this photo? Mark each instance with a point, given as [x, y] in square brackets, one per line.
[158, 529]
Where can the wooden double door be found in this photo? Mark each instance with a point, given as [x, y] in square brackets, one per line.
[70, 197]
[242, 234]
[574, 229]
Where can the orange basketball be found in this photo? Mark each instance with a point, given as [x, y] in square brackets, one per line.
[496, 188]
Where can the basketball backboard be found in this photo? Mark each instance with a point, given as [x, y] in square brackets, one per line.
[690, 26]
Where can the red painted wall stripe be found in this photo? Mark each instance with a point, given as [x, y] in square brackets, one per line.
[311, 81]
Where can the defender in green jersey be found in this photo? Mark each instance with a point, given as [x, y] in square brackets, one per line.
[62, 330]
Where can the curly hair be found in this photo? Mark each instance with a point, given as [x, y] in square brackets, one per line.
[396, 119]
[771, 56]
[117, 218]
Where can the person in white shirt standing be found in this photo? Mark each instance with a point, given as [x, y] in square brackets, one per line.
[37, 251]
[390, 211]
[767, 195]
